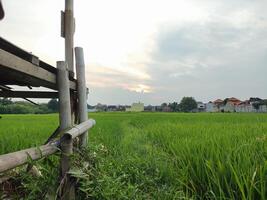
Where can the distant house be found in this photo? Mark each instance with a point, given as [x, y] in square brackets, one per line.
[111, 108]
[260, 105]
[209, 107]
[201, 107]
[230, 104]
[136, 107]
[262, 108]
[166, 109]
[245, 106]
[101, 107]
[158, 108]
[150, 108]
[219, 104]
[214, 106]
[254, 104]
[253, 100]
[121, 108]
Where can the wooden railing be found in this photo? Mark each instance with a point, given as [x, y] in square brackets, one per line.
[11, 160]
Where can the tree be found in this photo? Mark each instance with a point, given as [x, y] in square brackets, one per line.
[53, 105]
[174, 106]
[164, 105]
[187, 104]
[5, 101]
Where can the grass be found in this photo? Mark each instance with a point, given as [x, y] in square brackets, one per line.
[160, 155]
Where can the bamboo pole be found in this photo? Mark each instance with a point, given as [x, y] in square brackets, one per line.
[82, 92]
[64, 96]
[78, 130]
[69, 32]
[65, 123]
[15, 159]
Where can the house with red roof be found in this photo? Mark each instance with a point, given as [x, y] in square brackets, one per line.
[214, 106]
[230, 104]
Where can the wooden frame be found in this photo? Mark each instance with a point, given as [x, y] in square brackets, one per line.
[16, 71]
[19, 67]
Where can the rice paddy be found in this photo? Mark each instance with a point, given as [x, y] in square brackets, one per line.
[160, 155]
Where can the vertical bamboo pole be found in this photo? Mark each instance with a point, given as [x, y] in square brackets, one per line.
[64, 95]
[82, 92]
[65, 122]
[69, 32]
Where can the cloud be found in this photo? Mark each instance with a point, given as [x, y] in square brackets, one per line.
[221, 55]
[224, 56]
[106, 77]
[171, 48]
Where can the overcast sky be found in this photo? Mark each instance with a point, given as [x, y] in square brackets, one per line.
[153, 51]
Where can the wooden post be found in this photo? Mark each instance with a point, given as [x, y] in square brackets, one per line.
[65, 123]
[69, 32]
[82, 92]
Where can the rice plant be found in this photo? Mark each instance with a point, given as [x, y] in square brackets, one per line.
[159, 155]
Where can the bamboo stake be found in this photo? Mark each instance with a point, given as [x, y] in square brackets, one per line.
[82, 92]
[65, 123]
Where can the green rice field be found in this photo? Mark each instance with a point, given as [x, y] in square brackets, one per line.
[157, 155]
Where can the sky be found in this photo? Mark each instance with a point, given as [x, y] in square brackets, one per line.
[153, 51]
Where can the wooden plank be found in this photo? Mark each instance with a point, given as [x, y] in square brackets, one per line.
[14, 70]
[29, 94]
[25, 55]
[15, 50]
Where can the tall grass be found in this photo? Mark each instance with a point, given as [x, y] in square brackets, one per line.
[160, 155]
[168, 156]
[24, 131]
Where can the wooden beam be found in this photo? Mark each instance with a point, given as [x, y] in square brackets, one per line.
[29, 94]
[18, 71]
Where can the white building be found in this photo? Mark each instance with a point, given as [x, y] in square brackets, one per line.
[136, 107]
[201, 107]
[214, 106]
[210, 107]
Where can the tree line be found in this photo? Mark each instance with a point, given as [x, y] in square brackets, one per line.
[7, 106]
[187, 104]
